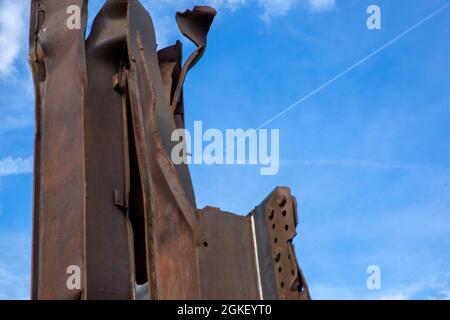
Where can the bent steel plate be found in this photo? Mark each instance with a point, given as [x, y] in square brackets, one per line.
[252, 257]
[108, 198]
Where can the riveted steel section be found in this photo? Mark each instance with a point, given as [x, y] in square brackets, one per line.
[276, 221]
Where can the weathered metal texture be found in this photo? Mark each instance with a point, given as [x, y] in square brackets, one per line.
[57, 59]
[252, 257]
[227, 257]
[275, 223]
[171, 217]
[108, 198]
[107, 159]
[170, 64]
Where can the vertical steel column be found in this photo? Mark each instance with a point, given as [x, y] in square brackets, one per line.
[58, 63]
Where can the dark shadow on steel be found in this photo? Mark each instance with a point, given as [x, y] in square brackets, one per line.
[107, 197]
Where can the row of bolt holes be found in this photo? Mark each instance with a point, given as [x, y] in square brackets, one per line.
[286, 227]
[272, 214]
[284, 213]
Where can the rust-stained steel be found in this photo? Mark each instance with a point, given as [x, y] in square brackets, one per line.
[59, 67]
[107, 197]
[259, 245]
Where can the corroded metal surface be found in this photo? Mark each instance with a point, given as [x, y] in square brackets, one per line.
[227, 258]
[252, 257]
[276, 220]
[58, 62]
[107, 197]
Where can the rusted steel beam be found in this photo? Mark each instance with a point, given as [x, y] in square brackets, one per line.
[108, 197]
[172, 222]
[107, 160]
[57, 59]
[274, 222]
[252, 257]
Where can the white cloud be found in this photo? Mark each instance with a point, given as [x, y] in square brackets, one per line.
[333, 291]
[13, 29]
[230, 4]
[433, 288]
[15, 266]
[14, 17]
[321, 5]
[11, 166]
[436, 285]
[397, 296]
[278, 8]
[351, 163]
[163, 11]
[445, 294]
[275, 8]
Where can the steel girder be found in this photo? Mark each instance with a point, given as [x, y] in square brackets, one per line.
[107, 197]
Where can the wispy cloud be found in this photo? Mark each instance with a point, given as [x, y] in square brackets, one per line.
[278, 8]
[17, 88]
[398, 239]
[446, 294]
[14, 265]
[13, 19]
[13, 166]
[163, 11]
[433, 288]
[397, 296]
[321, 5]
[275, 8]
[350, 163]
[12, 33]
[9, 283]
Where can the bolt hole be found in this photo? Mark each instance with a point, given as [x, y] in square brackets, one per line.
[284, 213]
[283, 202]
[293, 272]
[286, 227]
[279, 269]
[272, 214]
[273, 226]
[282, 284]
[289, 256]
[275, 240]
[278, 257]
[205, 244]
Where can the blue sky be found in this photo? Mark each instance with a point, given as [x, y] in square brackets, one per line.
[367, 157]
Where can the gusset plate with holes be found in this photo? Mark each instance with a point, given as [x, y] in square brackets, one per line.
[275, 228]
[251, 257]
[108, 198]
